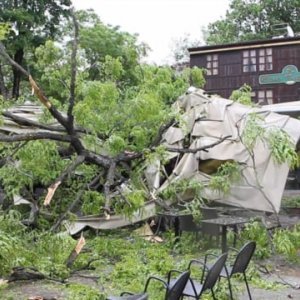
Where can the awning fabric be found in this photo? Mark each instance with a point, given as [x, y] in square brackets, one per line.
[210, 118]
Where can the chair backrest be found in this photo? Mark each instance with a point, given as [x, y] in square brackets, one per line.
[243, 258]
[214, 272]
[175, 292]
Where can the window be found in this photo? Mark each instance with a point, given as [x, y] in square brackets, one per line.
[265, 97]
[249, 61]
[212, 64]
[265, 59]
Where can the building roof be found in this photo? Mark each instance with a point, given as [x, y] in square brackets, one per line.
[278, 41]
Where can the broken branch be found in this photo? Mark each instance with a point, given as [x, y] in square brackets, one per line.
[34, 136]
[109, 182]
[188, 150]
[73, 204]
[73, 255]
[28, 122]
[51, 190]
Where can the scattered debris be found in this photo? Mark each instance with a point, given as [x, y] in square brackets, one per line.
[146, 232]
[73, 255]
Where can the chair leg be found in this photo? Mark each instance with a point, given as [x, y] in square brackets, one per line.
[247, 286]
[230, 289]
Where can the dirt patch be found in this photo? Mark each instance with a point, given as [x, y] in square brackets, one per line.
[29, 289]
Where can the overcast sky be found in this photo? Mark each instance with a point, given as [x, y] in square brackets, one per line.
[158, 22]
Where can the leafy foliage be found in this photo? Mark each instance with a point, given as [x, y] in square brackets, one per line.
[227, 174]
[282, 148]
[24, 172]
[79, 291]
[130, 202]
[103, 44]
[252, 20]
[256, 232]
[286, 243]
[123, 260]
[242, 95]
[293, 201]
[283, 241]
[253, 131]
[92, 202]
[179, 187]
[32, 23]
[20, 248]
[280, 143]
[4, 28]
[131, 120]
[52, 66]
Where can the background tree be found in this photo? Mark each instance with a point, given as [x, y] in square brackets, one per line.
[105, 53]
[253, 19]
[99, 41]
[179, 48]
[32, 23]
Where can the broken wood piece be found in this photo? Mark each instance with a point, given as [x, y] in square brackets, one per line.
[73, 255]
[146, 232]
[3, 282]
[38, 92]
[51, 190]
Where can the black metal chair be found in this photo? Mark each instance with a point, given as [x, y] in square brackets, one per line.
[195, 289]
[240, 265]
[174, 288]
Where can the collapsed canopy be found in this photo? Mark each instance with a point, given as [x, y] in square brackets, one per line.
[207, 120]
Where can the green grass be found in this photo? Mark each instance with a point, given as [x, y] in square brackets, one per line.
[121, 260]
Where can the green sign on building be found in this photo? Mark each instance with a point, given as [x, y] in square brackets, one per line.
[289, 75]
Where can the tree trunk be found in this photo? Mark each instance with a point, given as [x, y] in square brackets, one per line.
[18, 57]
[3, 89]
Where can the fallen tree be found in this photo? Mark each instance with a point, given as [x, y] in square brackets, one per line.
[91, 151]
[92, 143]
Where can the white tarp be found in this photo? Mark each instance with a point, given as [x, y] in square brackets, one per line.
[208, 119]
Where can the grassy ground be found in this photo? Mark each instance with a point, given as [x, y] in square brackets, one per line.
[115, 261]
[120, 260]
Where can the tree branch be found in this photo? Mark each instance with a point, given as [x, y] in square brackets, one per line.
[11, 61]
[4, 160]
[51, 190]
[162, 129]
[98, 159]
[109, 182]
[187, 150]
[35, 136]
[73, 72]
[38, 92]
[28, 122]
[3, 88]
[73, 204]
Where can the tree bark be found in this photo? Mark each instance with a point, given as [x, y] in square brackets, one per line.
[3, 89]
[18, 58]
